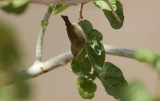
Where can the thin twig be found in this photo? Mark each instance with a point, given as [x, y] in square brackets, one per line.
[81, 12]
[113, 12]
[67, 68]
[44, 23]
[70, 2]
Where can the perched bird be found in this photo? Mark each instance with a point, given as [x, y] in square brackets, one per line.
[76, 36]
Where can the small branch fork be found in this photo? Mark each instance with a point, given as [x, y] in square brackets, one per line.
[40, 67]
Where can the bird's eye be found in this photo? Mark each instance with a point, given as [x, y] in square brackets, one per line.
[74, 53]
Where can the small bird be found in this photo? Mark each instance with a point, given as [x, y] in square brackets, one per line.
[76, 36]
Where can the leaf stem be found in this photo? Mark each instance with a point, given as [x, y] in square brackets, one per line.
[67, 68]
[113, 12]
[81, 11]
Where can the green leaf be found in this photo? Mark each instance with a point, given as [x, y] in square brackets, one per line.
[86, 95]
[149, 57]
[136, 92]
[118, 8]
[156, 99]
[157, 64]
[86, 26]
[9, 51]
[14, 6]
[96, 54]
[81, 80]
[60, 7]
[10, 60]
[43, 24]
[81, 65]
[4, 96]
[104, 6]
[112, 79]
[145, 55]
[19, 3]
[23, 90]
[94, 34]
[86, 84]
[86, 87]
[94, 47]
[89, 31]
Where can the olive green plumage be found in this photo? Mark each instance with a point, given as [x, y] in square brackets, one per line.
[76, 36]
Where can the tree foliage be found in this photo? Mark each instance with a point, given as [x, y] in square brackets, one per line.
[90, 62]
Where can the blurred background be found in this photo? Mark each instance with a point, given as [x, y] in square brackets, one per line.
[141, 29]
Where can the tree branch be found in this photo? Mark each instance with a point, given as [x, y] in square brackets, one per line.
[71, 2]
[118, 51]
[44, 23]
[39, 68]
